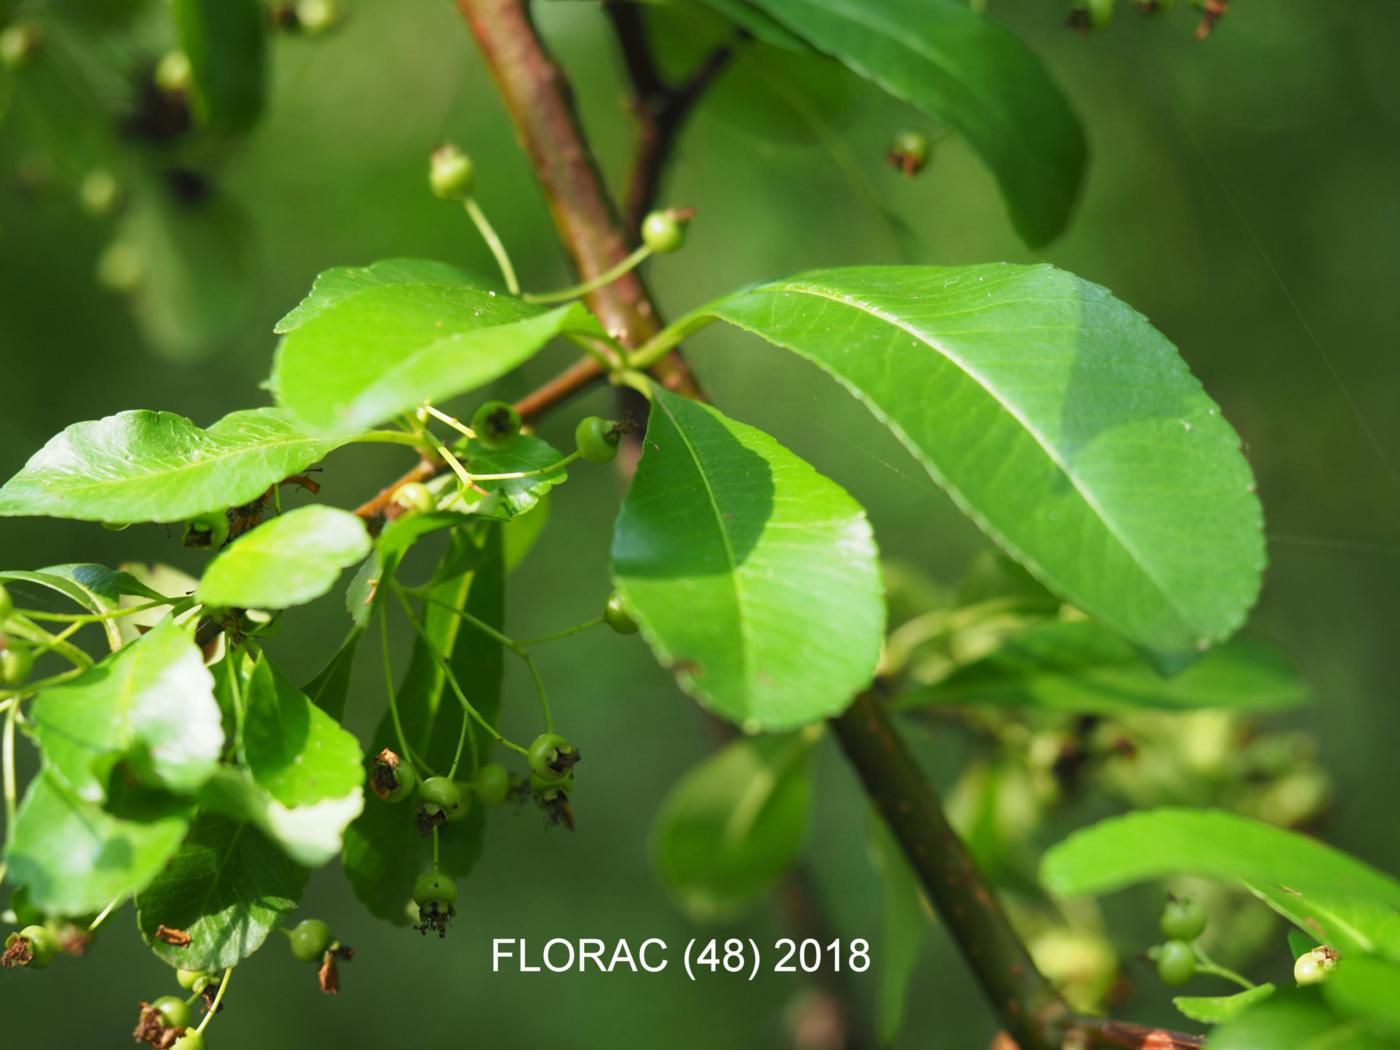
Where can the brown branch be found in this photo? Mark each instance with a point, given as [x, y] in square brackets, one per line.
[660, 109]
[1120, 1035]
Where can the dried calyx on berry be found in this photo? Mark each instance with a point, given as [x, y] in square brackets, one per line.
[440, 800]
[1087, 15]
[391, 778]
[551, 757]
[1313, 967]
[909, 152]
[435, 894]
[33, 947]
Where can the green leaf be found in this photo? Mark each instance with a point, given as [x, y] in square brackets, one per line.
[287, 561]
[511, 497]
[148, 708]
[1218, 1009]
[757, 24]
[331, 687]
[1081, 667]
[335, 285]
[157, 466]
[1293, 1020]
[311, 834]
[1340, 900]
[228, 887]
[519, 535]
[366, 357]
[1369, 990]
[1061, 421]
[292, 748]
[972, 75]
[225, 44]
[903, 928]
[743, 566]
[1299, 943]
[96, 588]
[76, 858]
[735, 823]
[384, 853]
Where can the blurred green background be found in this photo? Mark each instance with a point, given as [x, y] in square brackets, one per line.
[1244, 194]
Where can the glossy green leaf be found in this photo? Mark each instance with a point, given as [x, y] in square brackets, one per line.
[970, 74]
[1081, 667]
[331, 687]
[1218, 1009]
[224, 40]
[290, 560]
[292, 748]
[334, 286]
[384, 853]
[371, 355]
[753, 577]
[228, 887]
[735, 823]
[519, 535]
[1061, 421]
[1367, 989]
[96, 588]
[903, 928]
[748, 17]
[75, 858]
[310, 834]
[1294, 1020]
[1336, 898]
[157, 466]
[148, 708]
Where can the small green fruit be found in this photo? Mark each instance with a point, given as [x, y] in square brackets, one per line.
[616, 616]
[121, 268]
[174, 1011]
[439, 793]
[434, 888]
[551, 757]
[909, 152]
[317, 16]
[1176, 963]
[597, 439]
[193, 980]
[309, 940]
[191, 1040]
[391, 778]
[208, 531]
[492, 784]
[496, 424]
[547, 785]
[414, 498]
[1314, 966]
[464, 808]
[100, 193]
[451, 173]
[1183, 920]
[7, 604]
[16, 661]
[664, 231]
[19, 44]
[42, 946]
[174, 74]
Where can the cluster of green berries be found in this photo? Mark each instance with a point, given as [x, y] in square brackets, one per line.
[1183, 920]
[16, 658]
[165, 1022]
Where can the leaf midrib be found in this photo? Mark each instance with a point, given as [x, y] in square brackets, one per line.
[1051, 454]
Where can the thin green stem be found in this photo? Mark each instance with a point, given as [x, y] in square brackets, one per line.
[404, 749]
[44, 641]
[463, 475]
[539, 687]
[450, 676]
[436, 849]
[603, 279]
[1205, 964]
[102, 915]
[388, 437]
[461, 741]
[82, 619]
[218, 1001]
[11, 792]
[567, 632]
[452, 421]
[493, 241]
[608, 354]
[529, 473]
[666, 340]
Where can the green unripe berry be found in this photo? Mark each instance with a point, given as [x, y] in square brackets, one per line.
[1183, 920]
[664, 231]
[442, 793]
[546, 785]
[19, 43]
[193, 980]
[391, 778]
[121, 268]
[42, 946]
[208, 531]
[100, 193]
[616, 616]
[174, 1011]
[414, 498]
[909, 152]
[464, 807]
[309, 940]
[7, 604]
[191, 1040]
[1314, 966]
[597, 439]
[551, 757]
[317, 16]
[1176, 963]
[174, 74]
[451, 173]
[492, 784]
[434, 888]
[496, 424]
[16, 661]
[1100, 12]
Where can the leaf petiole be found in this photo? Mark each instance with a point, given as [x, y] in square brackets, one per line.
[604, 279]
